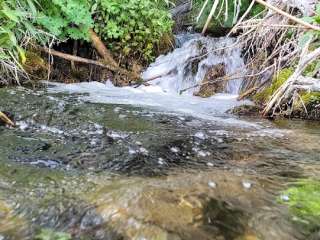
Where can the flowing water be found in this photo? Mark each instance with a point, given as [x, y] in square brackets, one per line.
[92, 161]
[188, 64]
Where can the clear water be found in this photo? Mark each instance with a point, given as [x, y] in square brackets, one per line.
[97, 162]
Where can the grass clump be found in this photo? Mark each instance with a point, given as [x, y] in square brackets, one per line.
[311, 98]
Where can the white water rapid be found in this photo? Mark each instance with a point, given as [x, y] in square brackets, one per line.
[187, 66]
[183, 68]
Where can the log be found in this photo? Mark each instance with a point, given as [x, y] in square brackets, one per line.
[102, 49]
[69, 57]
[181, 9]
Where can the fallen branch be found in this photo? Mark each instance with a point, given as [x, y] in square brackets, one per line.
[70, 57]
[213, 9]
[102, 49]
[283, 13]
[251, 91]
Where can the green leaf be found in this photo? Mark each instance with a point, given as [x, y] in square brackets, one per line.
[11, 14]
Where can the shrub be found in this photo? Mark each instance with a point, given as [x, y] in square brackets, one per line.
[133, 27]
[66, 18]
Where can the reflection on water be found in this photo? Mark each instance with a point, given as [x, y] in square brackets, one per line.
[86, 170]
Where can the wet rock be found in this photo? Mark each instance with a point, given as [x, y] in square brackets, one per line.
[210, 85]
[246, 110]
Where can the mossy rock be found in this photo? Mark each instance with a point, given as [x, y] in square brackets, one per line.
[278, 80]
[209, 85]
[245, 110]
[35, 65]
[303, 201]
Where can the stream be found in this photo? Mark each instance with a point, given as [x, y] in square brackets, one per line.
[92, 161]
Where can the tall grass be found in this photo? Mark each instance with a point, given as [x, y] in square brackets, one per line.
[17, 30]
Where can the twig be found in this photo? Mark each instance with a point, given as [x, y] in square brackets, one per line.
[295, 19]
[6, 119]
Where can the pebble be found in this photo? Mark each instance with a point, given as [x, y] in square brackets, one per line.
[122, 116]
[160, 161]
[175, 149]
[285, 198]
[246, 184]
[143, 150]
[117, 109]
[200, 135]
[212, 184]
[209, 164]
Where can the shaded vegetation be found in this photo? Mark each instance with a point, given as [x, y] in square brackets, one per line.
[132, 28]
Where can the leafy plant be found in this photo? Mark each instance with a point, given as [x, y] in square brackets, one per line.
[225, 15]
[133, 27]
[66, 18]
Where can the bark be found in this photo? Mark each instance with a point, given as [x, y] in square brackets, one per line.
[101, 49]
[130, 75]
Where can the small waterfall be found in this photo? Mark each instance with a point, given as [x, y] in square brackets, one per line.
[187, 65]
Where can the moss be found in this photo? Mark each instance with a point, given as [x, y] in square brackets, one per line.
[35, 65]
[312, 69]
[304, 203]
[277, 81]
[48, 234]
[312, 98]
